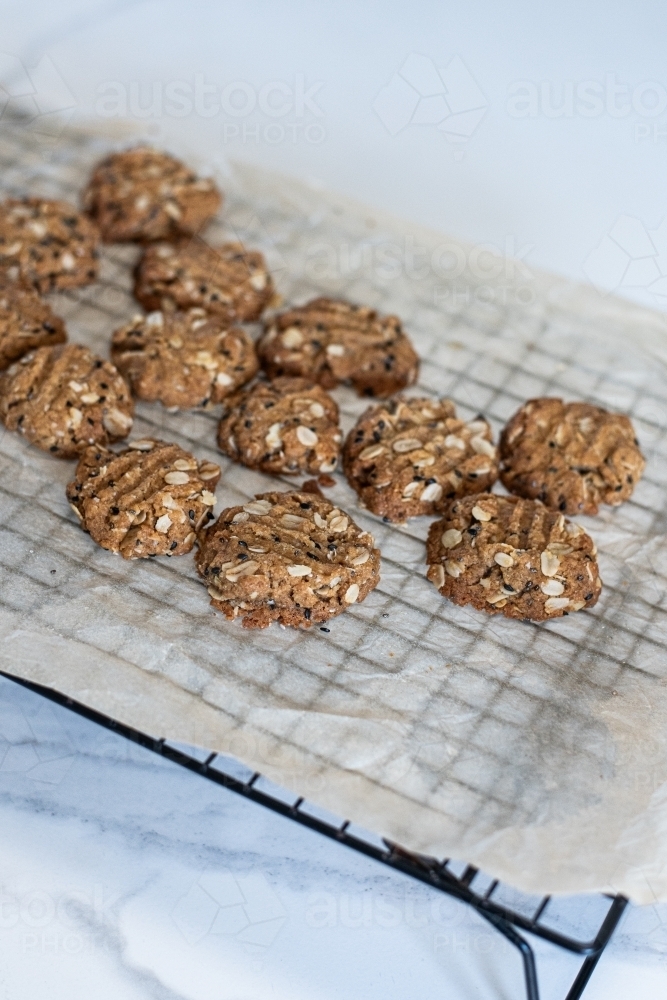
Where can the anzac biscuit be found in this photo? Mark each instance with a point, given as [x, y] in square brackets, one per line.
[332, 342]
[142, 195]
[64, 398]
[183, 359]
[571, 456]
[413, 456]
[148, 500]
[227, 280]
[26, 322]
[289, 425]
[291, 557]
[512, 556]
[47, 243]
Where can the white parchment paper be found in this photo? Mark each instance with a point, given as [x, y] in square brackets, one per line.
[537, 752]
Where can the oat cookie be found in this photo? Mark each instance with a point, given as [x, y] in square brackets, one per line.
[142, 195]
[48, 243]
[228, 280]
[64, 398]
[289, 425]
[332, 342]
[413, 456]
[512, 556]
[571, 456]
[147, 500]
[26, 322]
[291, 557]
[183, 359]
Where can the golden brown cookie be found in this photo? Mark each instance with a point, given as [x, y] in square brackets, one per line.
[183, 359]
[142, 195]
[148, 500]
[26, 322]
[289, 425]
[509, 555]
[332, 342]
[571, 456]
[227, 281]
[64, 398]
[48, 243]
[291, 557]
[413, 456]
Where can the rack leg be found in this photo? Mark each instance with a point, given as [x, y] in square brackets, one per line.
[529, 970]
[584, 974]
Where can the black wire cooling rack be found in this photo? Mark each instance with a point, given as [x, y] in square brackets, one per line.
[440, 875]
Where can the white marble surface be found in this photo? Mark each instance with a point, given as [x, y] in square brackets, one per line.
[126, 877]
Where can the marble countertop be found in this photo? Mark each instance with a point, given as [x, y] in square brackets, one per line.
[126, 876]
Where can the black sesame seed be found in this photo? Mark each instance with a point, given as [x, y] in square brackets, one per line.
[323, 629]
[173, 546]
[306, 613]
[115, 510]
